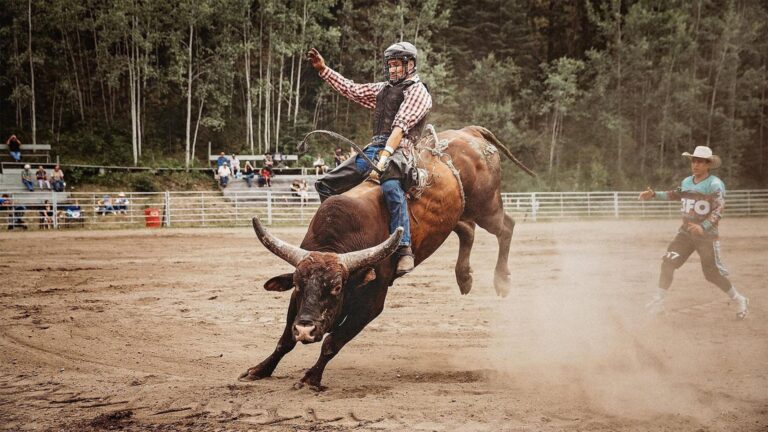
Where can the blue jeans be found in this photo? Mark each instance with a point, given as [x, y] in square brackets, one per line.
[29, 184]
[16, 156]
[393, 192]
[248, 179]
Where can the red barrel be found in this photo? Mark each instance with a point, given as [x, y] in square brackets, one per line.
[152, 217]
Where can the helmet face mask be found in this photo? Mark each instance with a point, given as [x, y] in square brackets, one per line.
[399, 62]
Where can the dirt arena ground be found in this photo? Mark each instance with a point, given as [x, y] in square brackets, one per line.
[148, 330]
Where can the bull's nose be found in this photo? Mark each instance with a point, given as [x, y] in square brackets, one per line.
[303, 333]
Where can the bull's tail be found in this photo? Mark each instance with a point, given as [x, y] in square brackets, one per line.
[491, 138]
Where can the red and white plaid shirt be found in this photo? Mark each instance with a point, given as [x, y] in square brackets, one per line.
[415, 106]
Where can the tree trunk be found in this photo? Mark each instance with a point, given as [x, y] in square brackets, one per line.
[248, 102]
[189, 97]
[553, 138]
[32, 74]
[617, 14]
[261, 80]
[132, 85]
[74, 69]
[714, 92]
[268, 95]
[197, 125]
[279, 103]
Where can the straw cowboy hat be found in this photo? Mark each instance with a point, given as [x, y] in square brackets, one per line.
[704, 152]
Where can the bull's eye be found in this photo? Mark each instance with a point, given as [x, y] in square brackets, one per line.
[336, 289]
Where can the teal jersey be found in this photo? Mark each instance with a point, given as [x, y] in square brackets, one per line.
[700, 203]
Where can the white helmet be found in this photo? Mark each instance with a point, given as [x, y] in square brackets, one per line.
[404, 51]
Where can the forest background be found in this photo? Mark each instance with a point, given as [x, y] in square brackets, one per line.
[593, 95]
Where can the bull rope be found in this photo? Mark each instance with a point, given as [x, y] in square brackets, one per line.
[438, 151]
[301, 148]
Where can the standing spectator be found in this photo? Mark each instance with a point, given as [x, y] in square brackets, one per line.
[5, 208]
[26, 177]
[235, 164]
[46, 216]
[14, 148]
[15, 214]
[224, 173]
[265, 177]
[121, 203]
[42, 178]
[222, 160]
[57, 179]
[248, 173]
[319, 164]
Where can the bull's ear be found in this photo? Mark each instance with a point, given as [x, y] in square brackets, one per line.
[284, 282]
[369, 275]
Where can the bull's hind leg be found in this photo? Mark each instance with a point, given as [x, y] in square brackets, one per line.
[284, 346]
[502, 226]
[466, 233]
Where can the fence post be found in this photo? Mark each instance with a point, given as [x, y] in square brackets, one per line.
[55, 207]
[616, 205]
[749, 203]
[202, 206]
[534, 206]
[237, 210]
[269, 207]
[167, 209]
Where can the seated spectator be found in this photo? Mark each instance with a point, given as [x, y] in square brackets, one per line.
[319, 164]
[248, 173]
[338, 157]
[46, 216]
[295, 188]
[235, 166]
[222, 160]
[42, 178]
[278, 159]
[14, 148]
[57, 179]
[105, 206]
[224, 173]
[72, 214]
[26, 177]
[265, 177]
[268, 162]
[121, 203]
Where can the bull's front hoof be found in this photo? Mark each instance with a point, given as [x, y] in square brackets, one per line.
[502, 283]
[252, 374]
[464, 279]
[314, 387]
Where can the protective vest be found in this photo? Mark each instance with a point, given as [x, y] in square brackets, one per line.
[388, 103]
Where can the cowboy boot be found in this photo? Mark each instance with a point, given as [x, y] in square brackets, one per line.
[405, 261]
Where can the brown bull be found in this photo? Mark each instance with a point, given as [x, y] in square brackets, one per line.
[344, 265]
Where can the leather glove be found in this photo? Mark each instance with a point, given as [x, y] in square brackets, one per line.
[316, 59]
[383, 158]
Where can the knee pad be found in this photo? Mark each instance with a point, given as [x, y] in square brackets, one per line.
[671, 259]
[392, 190]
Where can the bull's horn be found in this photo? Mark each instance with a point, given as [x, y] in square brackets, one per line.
[290, 253]
[366, 257]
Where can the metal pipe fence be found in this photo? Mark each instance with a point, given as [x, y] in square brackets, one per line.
[29, 210]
